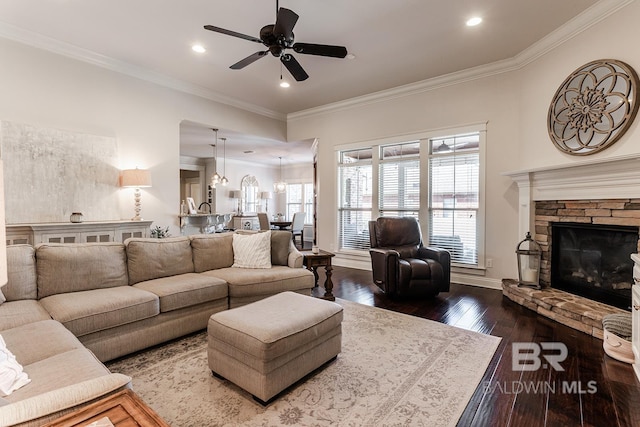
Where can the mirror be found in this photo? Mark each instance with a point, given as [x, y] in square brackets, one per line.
[250, 192]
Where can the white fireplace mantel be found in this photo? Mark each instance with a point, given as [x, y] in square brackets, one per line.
[611, 178]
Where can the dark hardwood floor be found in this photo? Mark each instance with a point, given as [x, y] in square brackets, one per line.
[593, 390]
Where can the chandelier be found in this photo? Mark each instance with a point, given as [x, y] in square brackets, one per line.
[280, 186]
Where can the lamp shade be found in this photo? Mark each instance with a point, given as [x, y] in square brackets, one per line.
[3, 235]
[266, 195]
[136, 178]
[235, 194]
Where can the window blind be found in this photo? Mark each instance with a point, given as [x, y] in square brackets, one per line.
[454, 198]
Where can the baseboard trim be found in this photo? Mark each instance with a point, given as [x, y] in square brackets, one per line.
[481, 282]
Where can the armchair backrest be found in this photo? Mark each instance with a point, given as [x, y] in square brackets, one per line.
[400, 233]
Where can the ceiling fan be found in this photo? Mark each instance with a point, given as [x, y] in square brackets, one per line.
[277, 38]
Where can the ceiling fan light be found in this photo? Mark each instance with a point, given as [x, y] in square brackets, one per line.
[198, 48]
[284, 84]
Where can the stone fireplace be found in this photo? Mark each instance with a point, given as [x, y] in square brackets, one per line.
[595, 192]
[586, 247]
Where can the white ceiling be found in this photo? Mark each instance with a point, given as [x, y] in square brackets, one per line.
[395, 42]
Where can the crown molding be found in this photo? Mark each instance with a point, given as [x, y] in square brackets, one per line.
[578, 24]
[39, 41]
[596, 13]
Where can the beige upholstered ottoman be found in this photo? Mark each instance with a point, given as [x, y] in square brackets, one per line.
[266, 346]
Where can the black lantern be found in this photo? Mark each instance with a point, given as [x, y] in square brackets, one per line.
[529, 254]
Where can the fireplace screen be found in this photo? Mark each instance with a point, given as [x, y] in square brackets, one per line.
[594, 261]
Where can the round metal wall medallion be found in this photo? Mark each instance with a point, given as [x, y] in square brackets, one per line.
[593, 107]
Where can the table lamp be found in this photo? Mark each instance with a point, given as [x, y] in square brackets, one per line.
[136, 178]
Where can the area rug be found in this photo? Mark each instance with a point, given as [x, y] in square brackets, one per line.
[394, 369]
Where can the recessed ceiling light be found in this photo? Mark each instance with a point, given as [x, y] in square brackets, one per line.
[284, 84]
[198, 48]
[474, 21]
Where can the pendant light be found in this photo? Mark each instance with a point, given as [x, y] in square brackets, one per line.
[280, 186]
[215, 178]
[224, 181]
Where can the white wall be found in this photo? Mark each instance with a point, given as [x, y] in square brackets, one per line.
[49, 90]
[612, 38]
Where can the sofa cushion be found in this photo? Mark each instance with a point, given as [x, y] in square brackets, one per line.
[40, 340]
[58, 371]
[64, 267]
[212, 251]
[248, 282]
[12, 375]
[185, 290]
[154, 258]
[252, 250]
[16, 313]
[280, 246]
[91, 311]
[21, 273]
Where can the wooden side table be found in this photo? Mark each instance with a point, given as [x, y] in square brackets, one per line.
[124, 409]
[313, 261]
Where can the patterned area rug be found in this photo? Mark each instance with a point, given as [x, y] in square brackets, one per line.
[394, 369]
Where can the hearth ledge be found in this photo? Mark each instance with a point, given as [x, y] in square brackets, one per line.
[570, 310]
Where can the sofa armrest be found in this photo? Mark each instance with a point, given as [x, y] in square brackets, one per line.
[295, 257]
[55, 403]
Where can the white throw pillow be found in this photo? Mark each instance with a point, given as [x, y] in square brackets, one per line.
[12, 376]
[252, 250]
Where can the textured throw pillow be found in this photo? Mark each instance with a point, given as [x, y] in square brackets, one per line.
[12, 376]
[252, 250]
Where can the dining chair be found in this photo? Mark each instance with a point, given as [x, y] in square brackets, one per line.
[263, 219]
[297, 227]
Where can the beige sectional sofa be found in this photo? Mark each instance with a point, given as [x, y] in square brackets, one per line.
[70, 307]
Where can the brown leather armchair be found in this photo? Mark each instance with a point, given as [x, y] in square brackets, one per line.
[401, 265]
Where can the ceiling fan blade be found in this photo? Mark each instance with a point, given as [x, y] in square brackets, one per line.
[232, 33]
[248, 60]
[285, 21]
[294, 67]
[320, 49]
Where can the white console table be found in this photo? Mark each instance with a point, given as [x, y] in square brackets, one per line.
[83, 232]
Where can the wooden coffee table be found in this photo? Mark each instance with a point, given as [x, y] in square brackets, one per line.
[124, 409]
[321, 259]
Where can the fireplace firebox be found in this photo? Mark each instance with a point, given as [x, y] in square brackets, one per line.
[593, 261]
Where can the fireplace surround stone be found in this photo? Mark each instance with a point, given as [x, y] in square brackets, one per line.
[571, 310]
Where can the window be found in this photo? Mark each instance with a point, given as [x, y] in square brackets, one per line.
[355, 198]
[454, 185]
[399, 180]
[300, 199]
[436, 179]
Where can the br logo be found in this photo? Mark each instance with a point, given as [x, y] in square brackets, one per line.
[529, 356]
